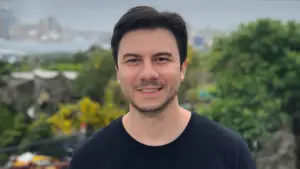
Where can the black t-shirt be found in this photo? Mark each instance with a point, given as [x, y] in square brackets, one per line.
[204, 144]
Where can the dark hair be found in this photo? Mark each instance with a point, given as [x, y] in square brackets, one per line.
[145, 17]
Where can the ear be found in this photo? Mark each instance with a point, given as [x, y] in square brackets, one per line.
[183, 70]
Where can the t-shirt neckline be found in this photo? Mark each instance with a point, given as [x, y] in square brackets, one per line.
[170, 144]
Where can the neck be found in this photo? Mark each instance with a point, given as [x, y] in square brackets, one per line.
[160, 129]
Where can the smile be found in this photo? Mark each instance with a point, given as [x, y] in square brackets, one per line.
[150, 90]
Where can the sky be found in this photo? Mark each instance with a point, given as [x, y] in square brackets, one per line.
[101, 15]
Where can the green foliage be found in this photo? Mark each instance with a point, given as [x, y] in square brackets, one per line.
[12, 126]
[95, 75]
[257, 72]
[53, 61]
[3, 159]
[16, 131]
[113, 95]
[63, 67]
[196, 75]
[80, 57]
[37, 130]
[65, 61]
[22, 68]
[71, 116]
[5, 69]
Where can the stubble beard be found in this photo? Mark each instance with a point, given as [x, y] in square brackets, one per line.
[155, 111]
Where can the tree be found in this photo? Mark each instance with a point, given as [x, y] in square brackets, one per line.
[80, 57]
[4, 70]
[38, 129]
[70, 116]
[96, 74]
[17, 134]
[196, 75]
[12, 127]
[257, 72]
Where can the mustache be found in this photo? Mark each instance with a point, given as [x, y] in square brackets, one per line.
[152, 83]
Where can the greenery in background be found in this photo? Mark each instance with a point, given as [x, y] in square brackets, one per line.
[5, 69]
[95, 74]
[12, 126]
[90, 113]
[248, 81]
[16, 131]
[256, 72]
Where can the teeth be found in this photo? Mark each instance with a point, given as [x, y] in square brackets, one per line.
[150, 90]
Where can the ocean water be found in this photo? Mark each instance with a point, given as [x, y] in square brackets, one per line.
[44, 47]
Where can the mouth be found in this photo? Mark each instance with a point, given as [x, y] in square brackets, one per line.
[150, 90]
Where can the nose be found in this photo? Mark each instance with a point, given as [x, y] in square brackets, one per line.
[148, 72]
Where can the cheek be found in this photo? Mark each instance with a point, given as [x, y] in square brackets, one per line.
[173, 74]
[172, 78]
[126, 79]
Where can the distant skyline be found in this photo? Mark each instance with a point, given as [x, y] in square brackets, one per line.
[102, 14]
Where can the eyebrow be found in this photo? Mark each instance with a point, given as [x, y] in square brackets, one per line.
[131, 55]
[162, 54]
[154, 55]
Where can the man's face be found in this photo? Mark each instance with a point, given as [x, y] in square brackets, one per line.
[149, 69]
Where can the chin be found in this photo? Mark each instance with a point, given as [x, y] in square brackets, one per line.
[155, 107]
[150, 110]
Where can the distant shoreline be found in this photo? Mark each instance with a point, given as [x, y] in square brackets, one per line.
[44, 47]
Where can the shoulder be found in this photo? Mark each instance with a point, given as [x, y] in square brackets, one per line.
[212, 129]
[96, 147]
[225, 139]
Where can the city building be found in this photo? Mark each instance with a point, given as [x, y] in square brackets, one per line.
[7, 19]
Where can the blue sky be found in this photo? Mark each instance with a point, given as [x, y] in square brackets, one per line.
[102, 14]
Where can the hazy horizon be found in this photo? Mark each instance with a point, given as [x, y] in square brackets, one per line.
[102, 14]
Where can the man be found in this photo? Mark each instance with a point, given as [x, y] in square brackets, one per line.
[150, 49]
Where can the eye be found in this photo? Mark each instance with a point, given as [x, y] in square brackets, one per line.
[161, 60]
[132, 60]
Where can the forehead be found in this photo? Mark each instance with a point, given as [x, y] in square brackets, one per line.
[148, 41]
